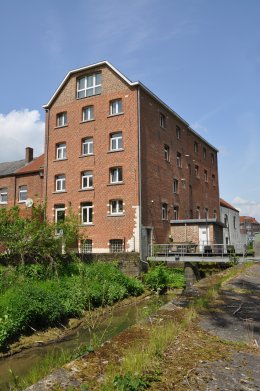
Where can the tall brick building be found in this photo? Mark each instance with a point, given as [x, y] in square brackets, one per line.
[127, 164]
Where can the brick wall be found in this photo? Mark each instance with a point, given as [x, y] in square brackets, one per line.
[104, 227]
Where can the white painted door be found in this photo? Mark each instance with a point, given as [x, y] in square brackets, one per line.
[203, 237]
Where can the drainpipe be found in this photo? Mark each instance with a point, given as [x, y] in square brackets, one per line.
[47, 126]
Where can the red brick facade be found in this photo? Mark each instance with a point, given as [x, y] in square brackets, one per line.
[169, 172]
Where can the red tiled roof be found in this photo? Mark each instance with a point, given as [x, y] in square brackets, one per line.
[34, 166]
[227, 205]
[249, 219]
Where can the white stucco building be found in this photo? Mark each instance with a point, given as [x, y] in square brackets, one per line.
[231, 231]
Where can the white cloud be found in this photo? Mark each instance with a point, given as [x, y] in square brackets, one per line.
[18, 130]
[246, 207]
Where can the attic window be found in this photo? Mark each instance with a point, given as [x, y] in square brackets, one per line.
[89, 85]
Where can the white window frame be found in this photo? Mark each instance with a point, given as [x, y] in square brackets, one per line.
[118, 171]
[116, 207]
[62, 119]
[60, 183]
[4, 195]
[175, 186]
[88, 144]
[178, 160]
[116, 107]
[115, 140]
[88, 113]
[92, 85]
[61, 151]
[56, 211]
[23, 190]
[87, 176]
[88, 207]
[164, 211]
[166, 153]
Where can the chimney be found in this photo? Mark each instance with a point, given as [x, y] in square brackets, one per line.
[28, 155]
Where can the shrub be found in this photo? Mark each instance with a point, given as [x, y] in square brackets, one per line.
[161, 277]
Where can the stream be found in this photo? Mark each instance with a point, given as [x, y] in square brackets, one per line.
[106, 328]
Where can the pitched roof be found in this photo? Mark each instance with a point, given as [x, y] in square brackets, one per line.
[34, 166]
[9, 168]
[130, 83]
[249, 219]
[225, 204]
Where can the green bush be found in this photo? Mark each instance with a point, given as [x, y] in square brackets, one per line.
[161, 277]
[32, 300]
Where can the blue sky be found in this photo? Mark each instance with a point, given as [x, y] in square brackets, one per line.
[202, 57]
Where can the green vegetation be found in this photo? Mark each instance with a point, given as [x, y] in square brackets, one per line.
[160, 278]
[35, 296]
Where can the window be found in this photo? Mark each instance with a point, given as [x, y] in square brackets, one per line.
[196, 170]
[3, 195]
[196, 147]
[86, 246]
[206, 213]
[60, 183]
[175, 213]
[178, 132]
[226, 220]
[86, 180]
[116, 141]
[234, 221]
[116, 207]
[213, 180]
[116, 245]
[166, 153]
[87, 213]
[204, 153]
[214, 214]
[59, 213]
[162, 121]
[164, 211]
[198, 212]
[87, 146]
[89, 85]
[61, 119]
[61, 151]
[205, 175]
[175, 186]
[178, 159]
[22, 193]
[116, 175]
[212, 159]
[116, 107]
[189, 169]
[88, 113]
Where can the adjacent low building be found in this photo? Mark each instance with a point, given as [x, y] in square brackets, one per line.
[249, 226]
[232, 237]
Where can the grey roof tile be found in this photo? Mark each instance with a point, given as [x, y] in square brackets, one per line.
[10, 167]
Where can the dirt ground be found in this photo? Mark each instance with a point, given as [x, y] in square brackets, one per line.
[219, 351]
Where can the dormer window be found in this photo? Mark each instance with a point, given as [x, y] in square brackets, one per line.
[89, 85]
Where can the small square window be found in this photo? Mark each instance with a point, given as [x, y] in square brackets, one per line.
[61, 119]
[178, 132]
[175, 213]
[87, 113]
[116, 207]
[87, 146]
[116, 175]
[60, 183]
[3, 195]
[61, 152]
[86, 180]
[86, 246]
[116, 141]
[162, 121]
[116, 107]
[116, 245]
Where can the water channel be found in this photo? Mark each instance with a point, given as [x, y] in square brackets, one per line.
[107, 327]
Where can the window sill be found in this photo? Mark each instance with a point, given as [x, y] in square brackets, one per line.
[116, 150]
[116, 183]
[116, 215]
[85, 97]
[59, 192]
[3, 203]
[87, 225]
[60, 160]
[87, 120]
[115, 115]
[88, 189]
[90, 154]
[22, 202]
[62, 126]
